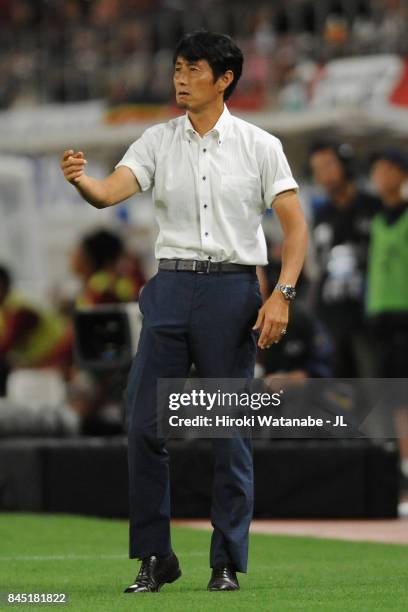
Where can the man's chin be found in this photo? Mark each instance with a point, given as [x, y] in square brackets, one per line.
[183, 105]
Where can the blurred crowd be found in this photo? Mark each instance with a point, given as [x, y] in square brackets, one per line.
[349, 320]
[121, 50]
[37, 338]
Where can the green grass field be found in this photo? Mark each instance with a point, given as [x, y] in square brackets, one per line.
[87, 559]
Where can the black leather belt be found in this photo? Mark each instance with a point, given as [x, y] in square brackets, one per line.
[202, 266]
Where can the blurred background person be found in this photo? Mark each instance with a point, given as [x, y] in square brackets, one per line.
[31, 336]
[108, 273]
[387, 295]
[341, 237]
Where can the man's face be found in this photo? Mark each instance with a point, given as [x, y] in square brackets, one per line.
[328, 171]
[194, 84]
[388, 178]
[79, 263]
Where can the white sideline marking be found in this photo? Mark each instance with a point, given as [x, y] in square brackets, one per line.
[58, 557]
[84, 557]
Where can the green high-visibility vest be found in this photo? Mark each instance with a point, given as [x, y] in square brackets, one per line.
[388, 266]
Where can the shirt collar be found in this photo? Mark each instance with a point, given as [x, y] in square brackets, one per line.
[219, 128]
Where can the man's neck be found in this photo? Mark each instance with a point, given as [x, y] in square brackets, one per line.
[344, 195]
[204, 120]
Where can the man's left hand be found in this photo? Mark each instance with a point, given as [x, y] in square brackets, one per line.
[272, 320]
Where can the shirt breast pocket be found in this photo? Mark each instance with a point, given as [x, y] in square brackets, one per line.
[240, 196]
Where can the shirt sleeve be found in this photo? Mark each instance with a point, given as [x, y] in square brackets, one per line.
[141, 158]
[276, 175]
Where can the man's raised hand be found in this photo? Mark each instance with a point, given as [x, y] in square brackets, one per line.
[72, 165]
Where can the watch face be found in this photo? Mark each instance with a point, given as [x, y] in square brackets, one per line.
[289, 293]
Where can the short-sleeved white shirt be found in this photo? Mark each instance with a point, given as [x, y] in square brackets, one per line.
[210, 193]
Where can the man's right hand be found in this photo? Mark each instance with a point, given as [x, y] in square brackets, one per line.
[100, 193]
[72, 165]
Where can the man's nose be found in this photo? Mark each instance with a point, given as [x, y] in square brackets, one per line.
[181, 77]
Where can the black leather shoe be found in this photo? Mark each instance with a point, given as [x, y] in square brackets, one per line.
[154, 572]
[223, 578]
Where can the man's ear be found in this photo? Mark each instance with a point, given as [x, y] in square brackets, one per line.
[225, 80]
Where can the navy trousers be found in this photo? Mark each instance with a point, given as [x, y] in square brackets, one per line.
[205, 319]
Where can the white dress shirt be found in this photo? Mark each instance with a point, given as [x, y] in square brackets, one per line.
[210, 193]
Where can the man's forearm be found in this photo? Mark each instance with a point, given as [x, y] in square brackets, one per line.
[293, 255]
[292, 220]
[94, 191]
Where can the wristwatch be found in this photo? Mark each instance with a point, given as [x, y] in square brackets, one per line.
[288, 291]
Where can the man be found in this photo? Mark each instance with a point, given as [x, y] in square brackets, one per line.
[341, 236]
[387, 291]
[213, 176]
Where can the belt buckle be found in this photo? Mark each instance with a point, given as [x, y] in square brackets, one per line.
[201, 267]
[197, 268]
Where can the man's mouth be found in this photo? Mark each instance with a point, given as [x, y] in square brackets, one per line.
[183, 93]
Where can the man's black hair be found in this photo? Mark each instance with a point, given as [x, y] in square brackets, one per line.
[5, 278]
[393, 155]
[103, 248]
[342, 150]
[219, 50]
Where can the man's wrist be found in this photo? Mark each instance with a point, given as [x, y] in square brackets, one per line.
[288, 292]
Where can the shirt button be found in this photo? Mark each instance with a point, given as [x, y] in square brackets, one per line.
[203, 178]
[204, 150]
[206, 234]
[205, 205]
